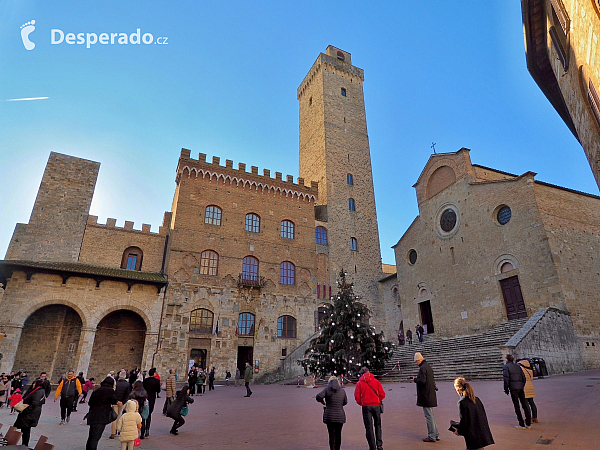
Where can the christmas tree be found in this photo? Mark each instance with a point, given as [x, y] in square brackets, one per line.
[346, 341]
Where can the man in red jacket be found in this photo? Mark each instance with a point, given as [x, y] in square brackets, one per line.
[369, 394]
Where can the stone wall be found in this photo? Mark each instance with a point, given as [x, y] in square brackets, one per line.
[548, 334]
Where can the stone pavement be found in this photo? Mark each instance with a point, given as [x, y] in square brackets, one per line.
[288, 418]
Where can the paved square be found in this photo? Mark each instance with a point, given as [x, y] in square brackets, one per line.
[288, 418]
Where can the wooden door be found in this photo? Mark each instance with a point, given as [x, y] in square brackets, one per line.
[513, 298]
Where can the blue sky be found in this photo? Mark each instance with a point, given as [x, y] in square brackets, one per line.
[225, 84]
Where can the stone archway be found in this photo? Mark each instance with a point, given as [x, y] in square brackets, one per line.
[119, 342]
[49, 341]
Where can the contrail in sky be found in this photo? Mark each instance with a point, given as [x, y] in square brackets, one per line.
[24, 99]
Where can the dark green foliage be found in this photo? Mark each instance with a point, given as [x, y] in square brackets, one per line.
[346, 342]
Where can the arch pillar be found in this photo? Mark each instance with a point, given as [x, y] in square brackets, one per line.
[84, 353]
[9, 345]
[150, 345]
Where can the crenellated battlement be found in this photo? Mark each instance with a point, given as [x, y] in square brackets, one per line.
[240, 176]
[327, 62]
[111, 224]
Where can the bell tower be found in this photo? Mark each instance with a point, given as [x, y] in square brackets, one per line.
[334, 151]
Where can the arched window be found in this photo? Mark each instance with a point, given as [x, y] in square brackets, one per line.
[287, 229]
[209, 262]
[321, 314]
[287, 273]
[252, 223]
[201, 321]
[351, 205]
[245, 326]
[321, 235]
[212, 215]
[350, 179]
[250, 269]
[286, 327]
[132, 259]
[353, 244]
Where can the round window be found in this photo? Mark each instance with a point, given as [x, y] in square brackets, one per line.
[448, 220]
[412, 256]
[504, 215]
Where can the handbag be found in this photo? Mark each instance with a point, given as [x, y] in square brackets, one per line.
[145, 410]
[21, 406]
[184, 411]
[137, 442]
[113, 415]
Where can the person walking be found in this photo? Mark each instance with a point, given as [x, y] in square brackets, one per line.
[192, 379]
[227, 377]
[129, 424]
[139, 394]
[426, 396]
[28, 418]
[152, 386]
[334, 398]
[514, 384]
[247, 378]
[201, 381]
[238, 377]
[171, 385]
[81, 379]
[211, 379]
[100, 406]
[87, 386]
[177, 408]
[409, 336]
[46, 384]
[473, 425]
[122, 390]
[68, 389]
[369, 394]
[4, 389]
[529, 389]
[24, 380]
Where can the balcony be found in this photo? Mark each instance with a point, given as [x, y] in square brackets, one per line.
[251, 281]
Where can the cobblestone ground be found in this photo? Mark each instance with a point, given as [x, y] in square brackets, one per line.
[288, 418]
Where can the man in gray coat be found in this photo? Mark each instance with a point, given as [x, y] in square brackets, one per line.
[426, 396]
[514, 383]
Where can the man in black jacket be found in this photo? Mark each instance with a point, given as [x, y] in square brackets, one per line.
[152, 386]
[98, 417]
[426, 396]
[122, 391]
[514, 383]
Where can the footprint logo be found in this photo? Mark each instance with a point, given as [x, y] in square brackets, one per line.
[26, 30]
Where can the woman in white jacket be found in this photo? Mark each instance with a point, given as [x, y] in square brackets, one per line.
[129, 425]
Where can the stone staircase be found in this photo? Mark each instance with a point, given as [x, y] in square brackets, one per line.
[475, 357]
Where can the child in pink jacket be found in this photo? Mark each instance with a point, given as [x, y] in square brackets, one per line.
[14, 399]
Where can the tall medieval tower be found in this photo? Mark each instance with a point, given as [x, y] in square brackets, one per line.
[334, 151]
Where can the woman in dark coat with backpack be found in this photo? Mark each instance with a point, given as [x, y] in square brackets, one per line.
[174, 412]
[35, 397]
[334, 398]
[98, 417]
[139, 394]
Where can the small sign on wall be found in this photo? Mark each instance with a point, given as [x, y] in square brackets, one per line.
[464, 315]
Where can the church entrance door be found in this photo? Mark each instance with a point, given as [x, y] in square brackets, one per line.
[513, 298]
[244, 356]
[426, 316]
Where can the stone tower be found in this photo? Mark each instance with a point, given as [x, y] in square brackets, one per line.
[57, 223]
[334, 151]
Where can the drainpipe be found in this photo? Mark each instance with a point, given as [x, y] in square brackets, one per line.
[162, 309]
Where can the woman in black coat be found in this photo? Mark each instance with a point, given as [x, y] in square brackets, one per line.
[35, 397]
[174, 411]
[98, 417]
[473, 424]
[334, 398]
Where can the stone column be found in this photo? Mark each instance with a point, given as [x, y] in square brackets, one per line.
[9, 345]
[86, 344]
[149, 349]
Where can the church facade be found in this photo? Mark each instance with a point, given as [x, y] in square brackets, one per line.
[236, 273]
[489, 247]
